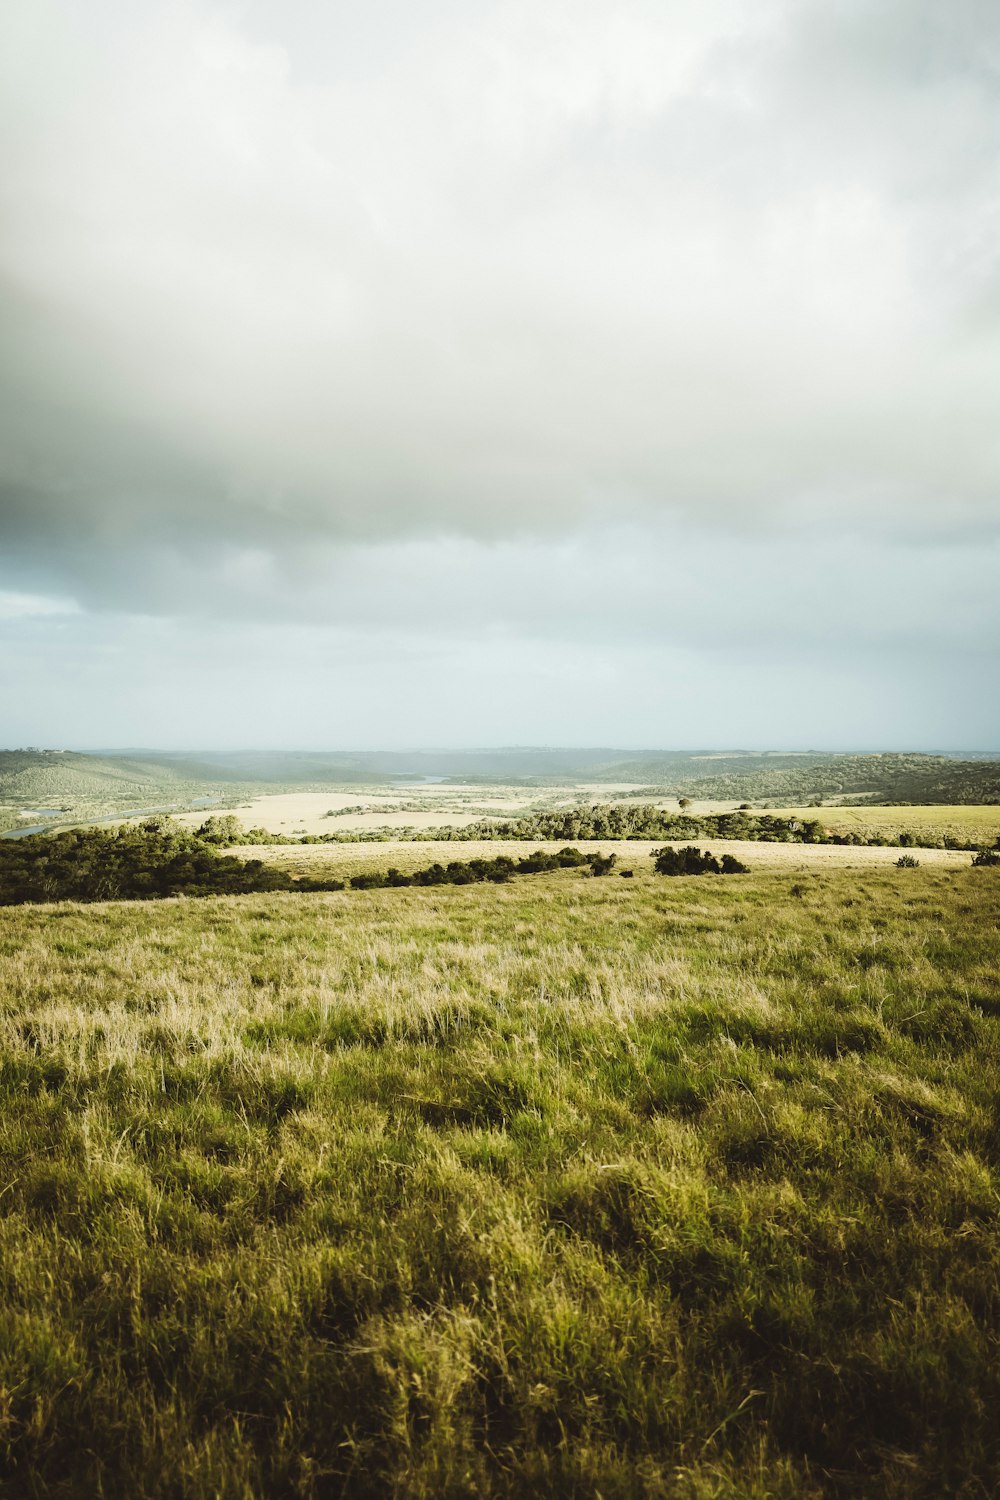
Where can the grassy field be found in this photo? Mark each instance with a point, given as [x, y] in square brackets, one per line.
[680, 1188]
[424, 807]
[631, 854]
[979, 824]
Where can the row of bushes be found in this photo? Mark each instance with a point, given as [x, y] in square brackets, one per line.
[128, 863]
[158, 859]
[647, 821]
[602, 821]
[154, 860]
[473, 871]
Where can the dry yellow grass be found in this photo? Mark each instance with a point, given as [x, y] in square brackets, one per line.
[965, 822]
[306, 812]
[632, 854]
[453, 806]
[458, 805]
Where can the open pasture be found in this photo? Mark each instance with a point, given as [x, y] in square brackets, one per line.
[632, 854]
[456, 806]
[570, 1187]
[420, 806]
[980, 824]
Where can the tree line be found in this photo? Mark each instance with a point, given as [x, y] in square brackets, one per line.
[152, 860]
[647, 821]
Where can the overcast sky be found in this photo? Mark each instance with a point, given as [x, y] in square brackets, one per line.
[505, 371]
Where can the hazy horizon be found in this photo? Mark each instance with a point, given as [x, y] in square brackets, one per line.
[500, 372]
[638, 751]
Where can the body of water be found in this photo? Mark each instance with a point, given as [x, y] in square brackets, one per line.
[115, 817]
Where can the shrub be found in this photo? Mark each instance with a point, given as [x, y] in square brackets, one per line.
[691, 861]
[907, 862]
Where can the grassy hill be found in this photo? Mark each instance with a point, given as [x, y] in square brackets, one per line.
[42, 776]
[897, 777]
[893, 778]
[91, 785]
[682, 1188]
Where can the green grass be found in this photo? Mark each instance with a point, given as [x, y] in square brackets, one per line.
[574, 1187]
[930, 824]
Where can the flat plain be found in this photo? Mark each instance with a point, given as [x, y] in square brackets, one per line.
[455, 805]
[630, 854]
[661, 1187]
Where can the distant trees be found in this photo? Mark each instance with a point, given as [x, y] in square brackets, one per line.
[221, 828]
[226, 831]
[644, 820]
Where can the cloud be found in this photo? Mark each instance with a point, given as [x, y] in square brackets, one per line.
[521, 267]
[30, 606]
[141, 681]
[565, 327]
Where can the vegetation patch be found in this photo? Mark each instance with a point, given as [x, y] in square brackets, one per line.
[691, 861]
[160, 858]
[568, 1187]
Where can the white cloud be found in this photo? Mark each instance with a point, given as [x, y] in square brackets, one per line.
[30, 606]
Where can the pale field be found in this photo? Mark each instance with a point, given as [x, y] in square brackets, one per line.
[633, 854]
[458, 805]
[453, 806]
[975, 821]
[305, 812]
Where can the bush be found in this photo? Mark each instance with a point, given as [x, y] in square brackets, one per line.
[988, 856]
[129, 863]
[691, 861]
[907, 862]
[474, 871]
[150, 861]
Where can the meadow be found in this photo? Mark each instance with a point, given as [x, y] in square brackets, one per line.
[927, 824]
[662, 1187]
[340, 860]
[424, 809]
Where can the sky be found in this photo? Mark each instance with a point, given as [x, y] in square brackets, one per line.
[567, 372]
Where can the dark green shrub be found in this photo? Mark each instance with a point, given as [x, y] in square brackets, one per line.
[686, 861]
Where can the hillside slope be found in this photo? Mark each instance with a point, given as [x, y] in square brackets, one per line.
[41, 776]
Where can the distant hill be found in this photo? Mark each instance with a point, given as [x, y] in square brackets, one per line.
[43, 778]
[794, 779]
[720, 775]
[46, 775]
